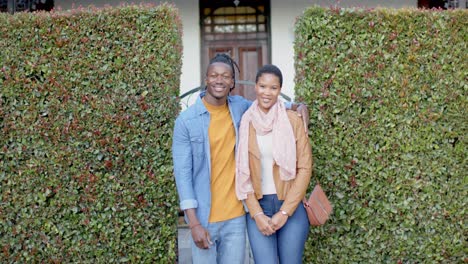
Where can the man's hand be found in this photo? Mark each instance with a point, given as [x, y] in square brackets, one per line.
[303, 112]
[201, 237]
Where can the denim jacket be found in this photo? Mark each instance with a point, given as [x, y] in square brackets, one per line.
[191, 154]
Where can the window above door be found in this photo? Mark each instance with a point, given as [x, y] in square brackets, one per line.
[225, 20]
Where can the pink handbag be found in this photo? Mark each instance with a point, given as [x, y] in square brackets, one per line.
[318, 206]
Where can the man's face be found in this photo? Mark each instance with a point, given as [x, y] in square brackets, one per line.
[219, 81]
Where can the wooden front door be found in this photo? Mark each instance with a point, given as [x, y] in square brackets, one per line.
[240, 31]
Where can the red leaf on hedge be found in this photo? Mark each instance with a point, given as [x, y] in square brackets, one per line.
[108, 164]
[352, 181]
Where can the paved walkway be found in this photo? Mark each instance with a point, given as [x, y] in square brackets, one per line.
[185, 253]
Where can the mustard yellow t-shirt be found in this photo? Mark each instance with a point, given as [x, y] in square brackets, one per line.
[224, 202]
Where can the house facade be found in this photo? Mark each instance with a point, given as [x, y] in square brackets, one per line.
[253, 32]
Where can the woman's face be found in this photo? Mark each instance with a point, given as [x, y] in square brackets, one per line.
[268, 89]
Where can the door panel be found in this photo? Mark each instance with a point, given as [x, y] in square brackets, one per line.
[250, 60]
[216, 50]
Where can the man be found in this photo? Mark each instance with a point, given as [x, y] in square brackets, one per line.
[204, 142]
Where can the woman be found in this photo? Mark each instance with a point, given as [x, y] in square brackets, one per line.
[274, 165]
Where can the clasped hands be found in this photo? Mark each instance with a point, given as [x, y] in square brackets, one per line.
[268, 226]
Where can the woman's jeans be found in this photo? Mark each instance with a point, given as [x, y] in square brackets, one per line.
[286, 245]
[229, 243]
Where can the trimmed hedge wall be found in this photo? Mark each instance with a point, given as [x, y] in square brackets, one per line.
[387, 93]
[88, 100]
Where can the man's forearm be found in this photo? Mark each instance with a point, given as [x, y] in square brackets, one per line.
[192, 217]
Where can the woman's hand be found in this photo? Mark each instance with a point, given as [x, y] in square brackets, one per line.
[201, 237]
[279, 220]
[263, 225]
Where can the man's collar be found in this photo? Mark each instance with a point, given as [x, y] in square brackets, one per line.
[201, 107]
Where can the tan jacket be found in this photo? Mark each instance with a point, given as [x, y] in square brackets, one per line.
[291, 191]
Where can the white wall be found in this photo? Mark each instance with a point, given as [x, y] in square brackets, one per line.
[283, 17]
[191, 60]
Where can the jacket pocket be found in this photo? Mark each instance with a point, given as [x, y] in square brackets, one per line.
[197, 145]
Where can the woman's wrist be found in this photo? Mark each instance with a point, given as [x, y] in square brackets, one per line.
[257, 214]
[282, 212]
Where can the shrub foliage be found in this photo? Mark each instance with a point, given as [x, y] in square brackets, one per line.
[387, 94]
[88, 100]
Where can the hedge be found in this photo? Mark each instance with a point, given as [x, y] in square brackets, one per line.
[387, 94]
[88, 101]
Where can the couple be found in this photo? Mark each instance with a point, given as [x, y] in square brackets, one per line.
[222, 164]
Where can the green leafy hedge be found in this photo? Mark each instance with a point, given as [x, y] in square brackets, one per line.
[387, 90]
[88, 100]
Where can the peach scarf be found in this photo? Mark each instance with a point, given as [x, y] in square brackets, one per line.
[284, 149]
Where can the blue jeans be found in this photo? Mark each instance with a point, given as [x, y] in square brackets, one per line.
[286, 245]
[229, 242]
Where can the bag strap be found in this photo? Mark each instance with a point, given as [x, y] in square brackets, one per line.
[304, 200]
